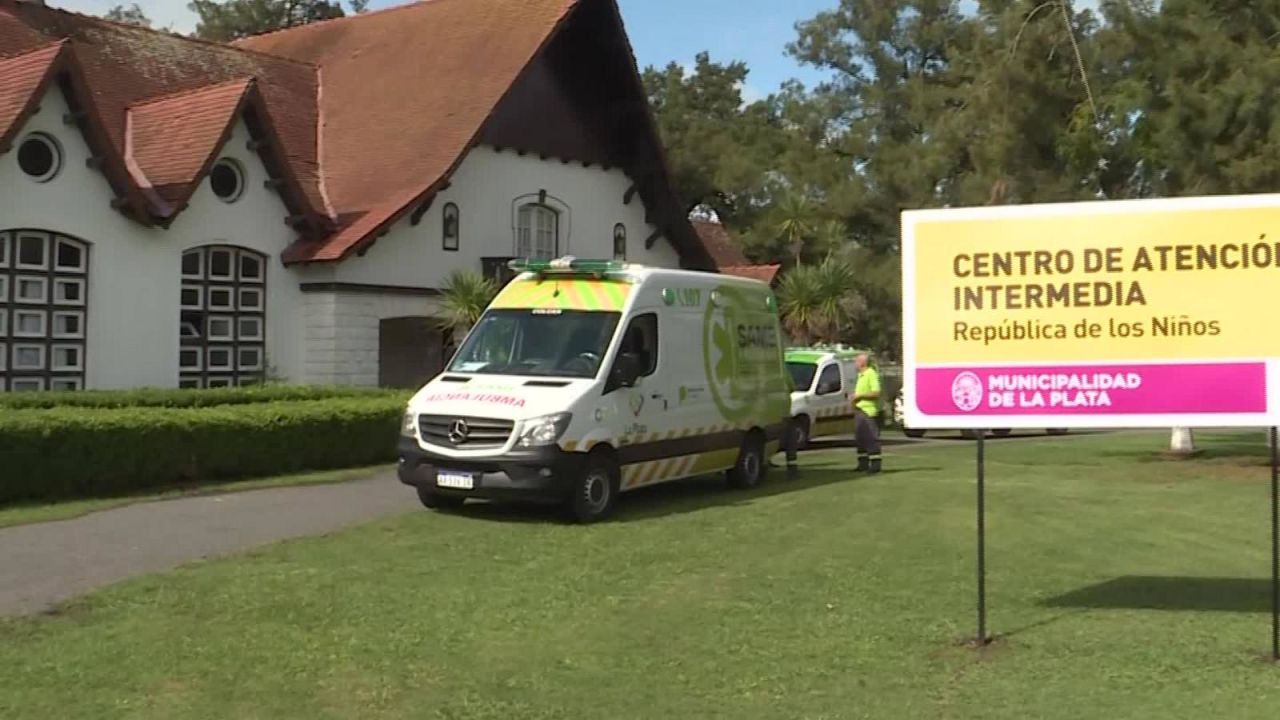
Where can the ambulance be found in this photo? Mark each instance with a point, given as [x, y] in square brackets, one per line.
[586, 379]
[822, 384]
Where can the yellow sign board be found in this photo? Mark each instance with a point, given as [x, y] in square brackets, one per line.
[996, 298]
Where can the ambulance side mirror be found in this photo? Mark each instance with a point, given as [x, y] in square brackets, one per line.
[626, 371]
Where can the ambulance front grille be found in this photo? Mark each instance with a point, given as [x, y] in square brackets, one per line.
[464, 433]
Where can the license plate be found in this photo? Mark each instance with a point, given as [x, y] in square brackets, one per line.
[455, 480]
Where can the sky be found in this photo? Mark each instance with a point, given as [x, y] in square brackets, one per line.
[661, 31]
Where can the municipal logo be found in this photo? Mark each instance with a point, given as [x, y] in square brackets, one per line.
[966, 391]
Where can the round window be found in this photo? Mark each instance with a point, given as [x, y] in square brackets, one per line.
[227, 180]
[40, 157]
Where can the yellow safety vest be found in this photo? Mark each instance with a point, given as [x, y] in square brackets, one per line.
[868, 382]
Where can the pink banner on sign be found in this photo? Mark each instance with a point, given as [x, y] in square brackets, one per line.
[1210, 388]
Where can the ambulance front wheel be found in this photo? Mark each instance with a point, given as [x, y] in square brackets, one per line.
[752, 465]
[595, 492]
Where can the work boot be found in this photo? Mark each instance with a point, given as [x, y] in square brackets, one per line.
[864, 464]
[873, 466]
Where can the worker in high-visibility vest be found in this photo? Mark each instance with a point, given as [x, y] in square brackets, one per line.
[866, 412]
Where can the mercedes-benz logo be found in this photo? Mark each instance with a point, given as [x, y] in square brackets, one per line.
[458, 431]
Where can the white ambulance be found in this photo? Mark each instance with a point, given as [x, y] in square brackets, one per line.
[586, 379]
[822, 385]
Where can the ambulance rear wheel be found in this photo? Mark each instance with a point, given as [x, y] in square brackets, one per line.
[595, 492]
[752, 466]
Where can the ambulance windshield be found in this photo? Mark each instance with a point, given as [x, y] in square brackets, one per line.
[801, 375]
[539, 343]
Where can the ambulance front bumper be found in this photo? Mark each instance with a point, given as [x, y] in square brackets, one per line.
[540, 475]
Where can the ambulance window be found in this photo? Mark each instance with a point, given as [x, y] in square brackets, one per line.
[829, 381]
[802, 375]
[642, 339]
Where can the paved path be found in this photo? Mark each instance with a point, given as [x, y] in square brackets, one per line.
[45, 564]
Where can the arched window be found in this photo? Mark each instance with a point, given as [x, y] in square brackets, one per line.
[537, 232]
[619, 242]
[44, 280]
[450, 230]
[223, 317]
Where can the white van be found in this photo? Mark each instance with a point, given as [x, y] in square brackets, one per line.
[586, 379]
[822, 383]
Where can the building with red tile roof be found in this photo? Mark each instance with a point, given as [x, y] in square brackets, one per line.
[291, 204]
[726, 253]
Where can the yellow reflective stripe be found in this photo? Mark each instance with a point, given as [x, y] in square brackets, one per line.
[566, 294]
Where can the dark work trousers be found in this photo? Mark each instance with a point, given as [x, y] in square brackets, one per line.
[866, 434]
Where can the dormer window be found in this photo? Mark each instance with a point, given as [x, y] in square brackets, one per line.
[226, 179]
[450, 231]
[40, 157]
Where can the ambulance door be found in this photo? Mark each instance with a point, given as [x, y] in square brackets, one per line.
[644, 410]
[831, 401]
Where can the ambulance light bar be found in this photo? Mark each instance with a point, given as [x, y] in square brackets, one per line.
[567, 265]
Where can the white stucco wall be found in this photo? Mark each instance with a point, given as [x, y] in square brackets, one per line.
[485, 188]
[132, 328]
[342, 327]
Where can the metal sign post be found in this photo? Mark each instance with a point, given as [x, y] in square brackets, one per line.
[982, 539]
[1275, 547]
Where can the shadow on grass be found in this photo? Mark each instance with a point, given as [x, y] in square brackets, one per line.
[683, 496]
[1202, 594]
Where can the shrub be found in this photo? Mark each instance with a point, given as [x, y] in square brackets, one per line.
[170, 398]
[77, 452]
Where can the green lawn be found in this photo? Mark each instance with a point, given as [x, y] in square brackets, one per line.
[1125, 586]
[24, 514]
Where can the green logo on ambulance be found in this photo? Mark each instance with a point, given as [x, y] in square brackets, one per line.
[740, 352]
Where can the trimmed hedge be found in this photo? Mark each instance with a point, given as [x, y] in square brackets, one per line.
[64, 453]
[170, 398]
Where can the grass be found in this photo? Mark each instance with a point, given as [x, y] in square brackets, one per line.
[25, 514]
[1122, 585]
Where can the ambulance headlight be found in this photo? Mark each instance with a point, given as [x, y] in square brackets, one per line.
[409, 424]
[545, 430]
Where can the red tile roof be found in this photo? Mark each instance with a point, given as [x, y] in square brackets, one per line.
[120, 66]
[763, 273]
[21, 79]
[172, 139]
[724, 250]
[363, 118]
[395, 122]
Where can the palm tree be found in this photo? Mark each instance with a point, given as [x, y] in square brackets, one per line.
[820, 302]
[466, 294]
[796, 222]
[832, 237]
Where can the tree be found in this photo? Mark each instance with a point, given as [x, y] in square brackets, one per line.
[131, 15]
[1200, 94]
[226, 20]
[465, 296]
[820, 303]
[719, 148]
[796, 224]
